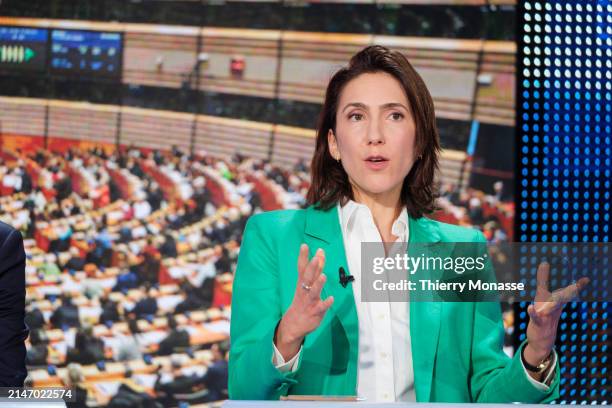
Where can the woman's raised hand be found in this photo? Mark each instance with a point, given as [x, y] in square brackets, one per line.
[544, 314]
[307, 309]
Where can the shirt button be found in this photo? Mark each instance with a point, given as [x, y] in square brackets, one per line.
[386, 395]
[383, 354]
[381, 316]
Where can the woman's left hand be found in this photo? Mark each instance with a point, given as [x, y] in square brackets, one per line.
[544, 315]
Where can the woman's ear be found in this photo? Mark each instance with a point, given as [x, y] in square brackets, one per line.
[333, 145]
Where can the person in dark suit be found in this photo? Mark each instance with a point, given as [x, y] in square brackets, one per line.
[216, 376]
[88, 349]
[35, 319]
[66, 315]
[110, 311]
[13, 330]
[147, 305]
[39, 350]
[175, 339]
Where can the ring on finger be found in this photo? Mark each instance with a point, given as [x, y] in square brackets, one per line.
[306, 287]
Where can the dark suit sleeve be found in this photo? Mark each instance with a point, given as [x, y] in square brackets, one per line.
[13, 330]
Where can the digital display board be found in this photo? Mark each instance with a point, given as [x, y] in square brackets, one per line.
[86, 53]
[23, 48]
[564, 129]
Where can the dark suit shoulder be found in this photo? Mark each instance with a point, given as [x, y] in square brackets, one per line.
[11, 244]
[5, 231]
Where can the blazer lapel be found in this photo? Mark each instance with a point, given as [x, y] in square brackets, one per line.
[424, 318]
[323, 231]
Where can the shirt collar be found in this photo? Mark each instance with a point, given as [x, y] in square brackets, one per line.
[400, 225]
[351, 208]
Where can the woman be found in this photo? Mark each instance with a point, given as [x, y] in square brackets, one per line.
[304, 330]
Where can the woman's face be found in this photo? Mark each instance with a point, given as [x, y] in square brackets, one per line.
[375, 134]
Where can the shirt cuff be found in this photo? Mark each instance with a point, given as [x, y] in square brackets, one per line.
[545, 384]
[279, 362]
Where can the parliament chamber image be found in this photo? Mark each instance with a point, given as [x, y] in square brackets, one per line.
[190, 192]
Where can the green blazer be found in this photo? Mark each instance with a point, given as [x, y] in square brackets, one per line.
[456, 346]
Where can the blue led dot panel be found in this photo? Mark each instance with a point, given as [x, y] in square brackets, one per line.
[564, 128]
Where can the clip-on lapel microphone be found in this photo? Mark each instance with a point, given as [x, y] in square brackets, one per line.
[344, 278]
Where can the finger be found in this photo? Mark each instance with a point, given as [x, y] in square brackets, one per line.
[315, 291]
[542, 276]
[312, 269]
[302, 261]
[324, 305]
[548, 306]
[533, 314]
[562, 296]
[582, 282]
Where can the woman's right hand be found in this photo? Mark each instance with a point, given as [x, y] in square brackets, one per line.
[307, 309]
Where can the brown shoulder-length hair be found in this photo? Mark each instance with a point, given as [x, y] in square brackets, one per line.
[330, 182]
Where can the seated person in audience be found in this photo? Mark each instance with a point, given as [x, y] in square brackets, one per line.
[150, 248]
[88, 349]
[103, 236]
[114, 190]
[126, 281]
[148, 304]
[128, 346]
[26, 182]
[475, 211]
[64, 234]
[65, 315]
[31, 228]
[76, 261]
[155, 196]
[151, 263]
[171, 382]
[63, 188]
[131, 395]
[74, 379]
[177, 338]
[142, 209]
[35, 319]
[49, 267]
[136, 170]
[125, 234]
[110, 310]
[38, 352]
[96, 253]
[168, 248]
[158, 157]
[223, 264]
[216, 376]
[91, 285]
[175, 219]
[196, 298]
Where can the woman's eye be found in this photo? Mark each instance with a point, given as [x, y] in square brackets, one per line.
[397, 116]
[355, 116]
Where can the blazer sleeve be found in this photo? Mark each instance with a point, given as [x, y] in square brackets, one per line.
[256, 310]
[495, 377]
[13, 330]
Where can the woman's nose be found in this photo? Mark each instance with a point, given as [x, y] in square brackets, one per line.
[375, 135]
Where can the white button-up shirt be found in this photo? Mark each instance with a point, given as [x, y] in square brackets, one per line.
[385, 372]
[385, 360]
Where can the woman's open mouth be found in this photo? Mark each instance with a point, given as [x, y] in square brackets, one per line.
[376, 162]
